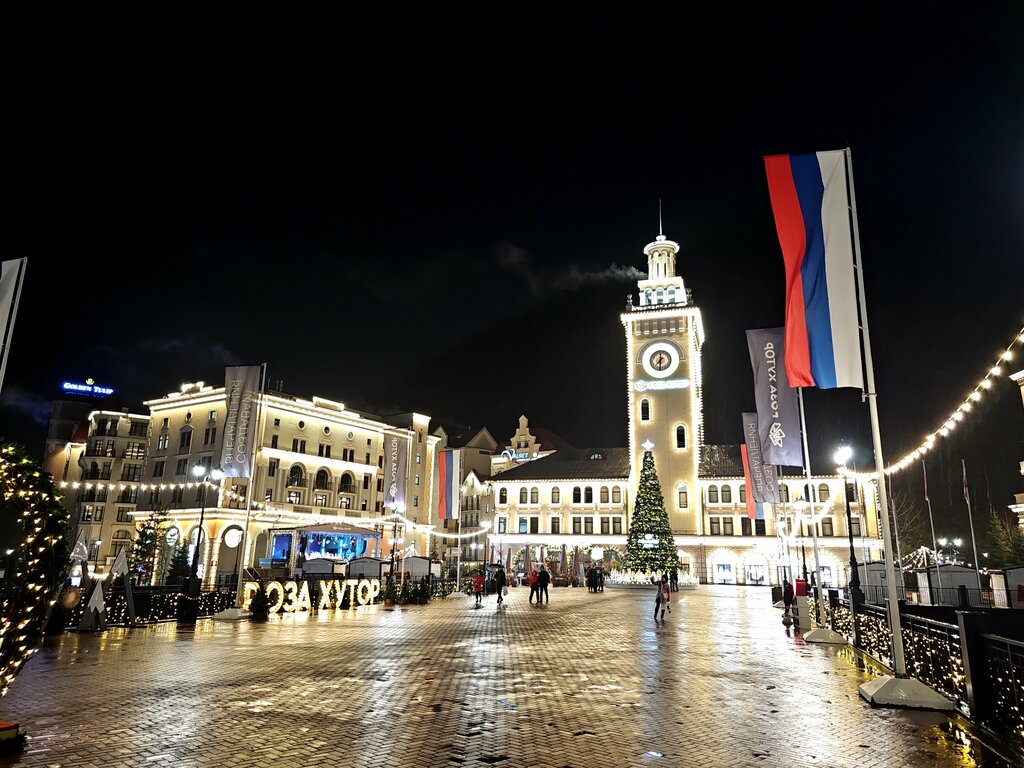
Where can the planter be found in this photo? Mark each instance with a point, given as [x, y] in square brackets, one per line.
[389, 603]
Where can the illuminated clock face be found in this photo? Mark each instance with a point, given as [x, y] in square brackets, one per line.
[660, 360]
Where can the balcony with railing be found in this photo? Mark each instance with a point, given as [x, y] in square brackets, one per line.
[95, 474]
[100, 450]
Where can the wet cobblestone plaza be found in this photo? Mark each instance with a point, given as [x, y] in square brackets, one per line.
[589, 680]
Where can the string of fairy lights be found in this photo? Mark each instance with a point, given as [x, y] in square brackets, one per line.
[28, 491]
[260, 506]
[954, 419]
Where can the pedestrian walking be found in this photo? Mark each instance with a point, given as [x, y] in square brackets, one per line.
[533, 585]
[788, 598]
[478, 587]
[663, 600]
[673, 578]
[543, 579]
[500, 585]
[599, 579]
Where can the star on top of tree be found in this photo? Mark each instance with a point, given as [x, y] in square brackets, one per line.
[647, 445]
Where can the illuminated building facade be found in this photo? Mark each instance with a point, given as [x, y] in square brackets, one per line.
[583, 499]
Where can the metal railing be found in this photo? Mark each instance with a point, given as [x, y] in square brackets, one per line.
[152, 605]
[1005, 670]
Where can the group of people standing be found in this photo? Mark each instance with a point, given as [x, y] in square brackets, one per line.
[500, 585]
[539, 581]
[595, 578]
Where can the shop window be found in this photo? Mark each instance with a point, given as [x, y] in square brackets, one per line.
[523, 523]
[727, 529]
[588, 525]
[556, 525]
[577, 525]
[534, 525]
[502, 525]
[745, 526]
[617, 526]
[606, 526]
[759, 529]
[715, 526]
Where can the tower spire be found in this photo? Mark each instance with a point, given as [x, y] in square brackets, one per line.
[661, 230]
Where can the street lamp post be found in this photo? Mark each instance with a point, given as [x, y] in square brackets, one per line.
[856, 593]
[188, 606]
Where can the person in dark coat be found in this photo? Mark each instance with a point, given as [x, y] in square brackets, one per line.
[499, 584]
[788, 596]
[543, 579]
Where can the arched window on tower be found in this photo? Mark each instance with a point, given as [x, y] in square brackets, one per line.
[647, 296]
[681, 436]
[661, 296]
[682, 496]
[671, 295]
[645, 410]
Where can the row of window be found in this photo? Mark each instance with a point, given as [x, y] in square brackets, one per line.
[93, 513]
[823, 493]
[579, 495]
[607, 524]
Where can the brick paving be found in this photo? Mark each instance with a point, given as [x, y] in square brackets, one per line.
[588, 681]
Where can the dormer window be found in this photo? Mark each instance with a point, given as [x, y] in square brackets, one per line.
[596, 456]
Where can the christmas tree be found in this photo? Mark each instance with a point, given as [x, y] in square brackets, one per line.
[178, 567]
[650, 547]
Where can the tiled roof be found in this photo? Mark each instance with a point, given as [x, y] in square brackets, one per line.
[720, 461]
[573, 464]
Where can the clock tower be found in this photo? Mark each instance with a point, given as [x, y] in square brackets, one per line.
[664, 335]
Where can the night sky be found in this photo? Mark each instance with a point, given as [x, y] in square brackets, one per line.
[447, 215]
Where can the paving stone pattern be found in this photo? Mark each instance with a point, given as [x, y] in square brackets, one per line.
[589, 680]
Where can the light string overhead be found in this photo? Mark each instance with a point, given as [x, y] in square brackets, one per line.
[999, 368]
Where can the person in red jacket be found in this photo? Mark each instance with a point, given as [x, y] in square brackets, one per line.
[533, 587]
[478, 587]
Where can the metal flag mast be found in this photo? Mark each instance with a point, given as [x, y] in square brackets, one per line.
[8, 322]
[931, 522]
[899, 690]
[970, 519]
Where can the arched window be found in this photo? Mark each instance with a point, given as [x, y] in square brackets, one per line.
[588, 495]
[712, 494]
[783, 492]
[347, 483]
[297, 475]
[534, 496]
[645, 410]
[727, 494]
[743, 494]
[681, 436]
[661, 295]
[616, 495]
[556, 496]
[808, 493]
[576, 495]
[503, 496]
[671, 295]
[522, 495]
[683, 496]
[823, 493]
[604, 494]
[323, 480]
[122, 534]
[647, 296]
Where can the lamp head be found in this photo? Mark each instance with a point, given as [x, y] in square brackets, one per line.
[216, 474]
[958, 541]
[843, 454]
[943, 541]
[198, 470]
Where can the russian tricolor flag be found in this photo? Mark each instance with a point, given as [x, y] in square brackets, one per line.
[812, 216]
[449, 465]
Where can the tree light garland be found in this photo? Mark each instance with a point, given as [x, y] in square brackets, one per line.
[953, 420]
[41, 568]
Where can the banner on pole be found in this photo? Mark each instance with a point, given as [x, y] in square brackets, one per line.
[762, 476]
[449, 465]
[778, 413]
[396, 450]
[812, 217]
[241, 386]
[12, 275]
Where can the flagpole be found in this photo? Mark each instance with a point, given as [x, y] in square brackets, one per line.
[11, 318]
[970, 518]
[899, 662]
[931, 522]
[820, 604]
[896, 529]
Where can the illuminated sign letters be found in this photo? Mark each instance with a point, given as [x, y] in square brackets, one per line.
[88, 387]
[291, 596]
[642, 385]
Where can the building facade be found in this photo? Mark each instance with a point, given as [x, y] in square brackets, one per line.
[582, 501]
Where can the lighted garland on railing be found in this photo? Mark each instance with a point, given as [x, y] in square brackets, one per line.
[31, 496]
[954, 419]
